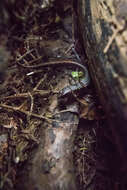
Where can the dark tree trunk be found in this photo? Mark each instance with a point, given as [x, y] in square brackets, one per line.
[102, 29]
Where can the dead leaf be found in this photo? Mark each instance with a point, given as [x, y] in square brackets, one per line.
[12, 124]
[88, 112]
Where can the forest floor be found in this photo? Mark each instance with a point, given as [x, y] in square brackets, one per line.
[26, 94]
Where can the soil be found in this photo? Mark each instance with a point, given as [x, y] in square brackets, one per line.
[27, 101]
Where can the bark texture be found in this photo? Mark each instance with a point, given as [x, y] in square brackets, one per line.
[51, 166]
[102, 28]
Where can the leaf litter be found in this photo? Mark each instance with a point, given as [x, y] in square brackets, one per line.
[25, 96]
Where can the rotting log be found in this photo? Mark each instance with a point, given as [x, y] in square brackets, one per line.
[102, 28]
[51, 167]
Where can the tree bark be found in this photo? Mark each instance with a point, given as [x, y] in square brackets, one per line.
[51, 166]
[102, 28]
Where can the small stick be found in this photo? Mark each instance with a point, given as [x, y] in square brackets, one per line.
[22, 56]
[119, 29]
[25, 112]
[26, 95]
[31, 62]
[40, 81]
[111, 40]
[31, 106]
